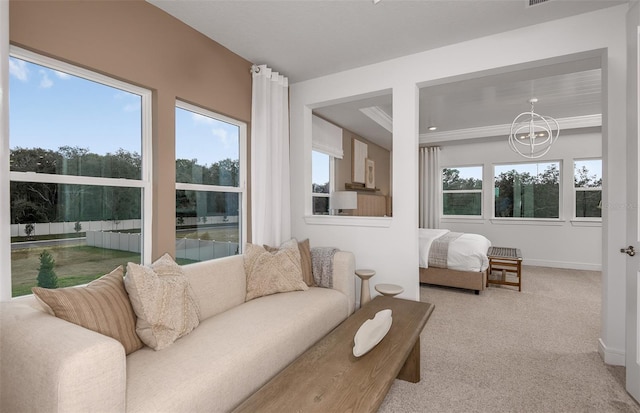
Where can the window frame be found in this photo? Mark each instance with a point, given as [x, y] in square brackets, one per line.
[144, 183]
[585, 189]
[534, 220]
[460, 191]
[241, 189]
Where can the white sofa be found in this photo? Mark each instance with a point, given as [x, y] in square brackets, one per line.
[50, 365]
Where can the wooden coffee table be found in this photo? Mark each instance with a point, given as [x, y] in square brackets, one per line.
[329, 378]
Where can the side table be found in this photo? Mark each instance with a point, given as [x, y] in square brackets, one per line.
[365, 293]
[390, 290]
[507, 260]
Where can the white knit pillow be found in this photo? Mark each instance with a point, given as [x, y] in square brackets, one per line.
[271, 273]
[163, 301]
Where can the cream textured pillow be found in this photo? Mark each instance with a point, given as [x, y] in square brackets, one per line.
[271, 273]
[305, 261]
[102, 306]
[163, 301]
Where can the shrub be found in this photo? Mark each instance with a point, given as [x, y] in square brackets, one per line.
[47, 277]
[28, 229]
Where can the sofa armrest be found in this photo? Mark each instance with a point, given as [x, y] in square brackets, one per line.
[50, 365]
[344, 266]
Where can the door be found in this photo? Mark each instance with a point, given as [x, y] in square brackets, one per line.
[632, 352]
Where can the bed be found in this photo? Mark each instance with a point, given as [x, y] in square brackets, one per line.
[453, 259]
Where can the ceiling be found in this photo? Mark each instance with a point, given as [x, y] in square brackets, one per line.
[304, 39]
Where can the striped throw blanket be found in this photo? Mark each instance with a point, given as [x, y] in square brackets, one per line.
[439, 250]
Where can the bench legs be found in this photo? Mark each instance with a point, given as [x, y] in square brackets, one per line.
[410, 371]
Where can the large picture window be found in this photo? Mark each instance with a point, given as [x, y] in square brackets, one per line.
[210, 184]
[587, 184]
[462, 191]
[527, 190]
[79, 173]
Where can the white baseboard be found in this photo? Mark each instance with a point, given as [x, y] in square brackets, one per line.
[612, 356]
[563, 264]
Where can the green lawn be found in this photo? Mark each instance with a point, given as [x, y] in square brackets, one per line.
[77, 265]
[74, 265]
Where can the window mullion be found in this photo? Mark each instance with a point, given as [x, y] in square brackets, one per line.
[208, 188]
[74, 180]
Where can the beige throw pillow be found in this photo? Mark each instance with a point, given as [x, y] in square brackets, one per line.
[271, 273]
[101, 306]
[305, 261]
[163, 301]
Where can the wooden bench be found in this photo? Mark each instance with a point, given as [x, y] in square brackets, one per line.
[329, 378]
[509, 262]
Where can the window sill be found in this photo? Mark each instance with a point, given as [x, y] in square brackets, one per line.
[348, 221]
[577, 222]
[528, 221]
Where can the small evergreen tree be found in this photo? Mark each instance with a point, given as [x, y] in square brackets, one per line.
[47, 277]
[28, 229]
[77, 227]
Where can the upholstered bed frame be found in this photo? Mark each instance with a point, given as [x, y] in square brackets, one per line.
[452, 278]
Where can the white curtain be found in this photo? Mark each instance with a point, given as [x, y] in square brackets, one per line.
[270, 193]
[429, 182]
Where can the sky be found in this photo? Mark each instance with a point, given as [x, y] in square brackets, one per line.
[319, 168]
[49, 109]
[206, 139]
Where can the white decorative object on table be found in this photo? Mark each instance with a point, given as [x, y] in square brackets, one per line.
[371, 332]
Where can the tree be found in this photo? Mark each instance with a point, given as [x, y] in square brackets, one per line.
[47, 277]
[520, 194]
[28, 229]
[582, 179]
[320, 188]
[451, 180]
[48, 202]
[77, 227]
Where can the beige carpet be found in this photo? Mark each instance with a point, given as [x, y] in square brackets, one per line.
[510, 351]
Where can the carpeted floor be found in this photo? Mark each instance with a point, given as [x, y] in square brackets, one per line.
[510, 351]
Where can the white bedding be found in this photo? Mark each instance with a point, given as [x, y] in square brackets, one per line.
[466, 253]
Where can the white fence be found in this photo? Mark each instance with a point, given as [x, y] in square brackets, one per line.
[191, 249]
[50, 228]
[115, 241]
[202, 250]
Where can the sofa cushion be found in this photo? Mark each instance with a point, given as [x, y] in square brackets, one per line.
[271, 273]
[230, 356]
[218, 285]
[102, 306]
[162, 299]
[305, 261]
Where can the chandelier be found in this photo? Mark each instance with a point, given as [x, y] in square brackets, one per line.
[532, 134]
